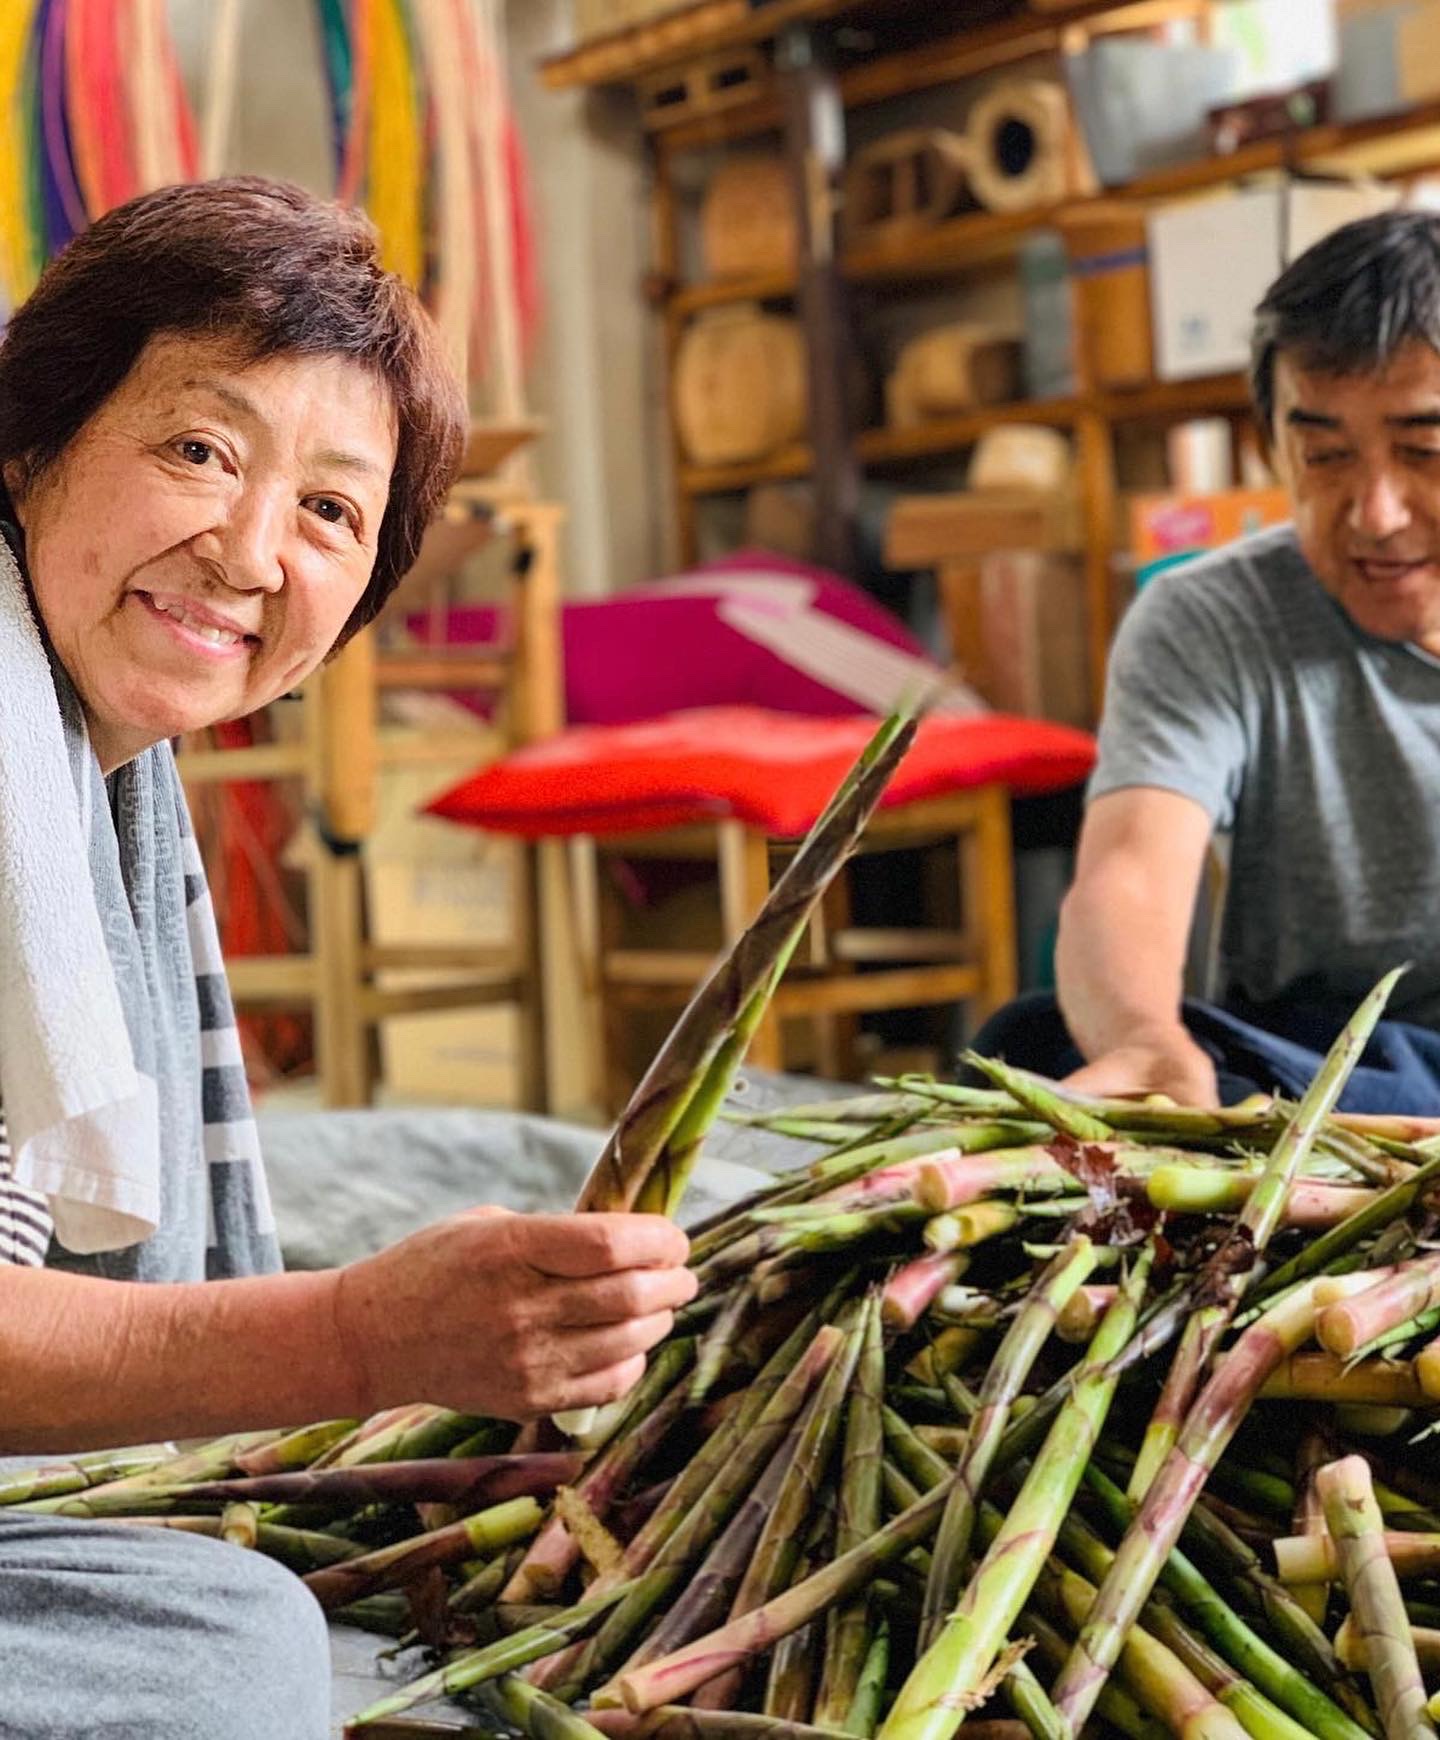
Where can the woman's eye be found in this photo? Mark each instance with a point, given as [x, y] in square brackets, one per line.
[333, 512]
[197, 452]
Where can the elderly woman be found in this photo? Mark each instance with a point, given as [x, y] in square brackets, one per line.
[223, 429]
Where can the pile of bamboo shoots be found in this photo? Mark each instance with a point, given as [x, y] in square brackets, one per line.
[1015, 1413]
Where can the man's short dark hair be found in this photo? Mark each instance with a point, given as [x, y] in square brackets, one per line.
[260, 263]
[1350, 302]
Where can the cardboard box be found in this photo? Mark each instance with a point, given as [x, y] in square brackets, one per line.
[428, 881]
[1212, 260]
[1165, 525]
[925, 529]
[1018, 625]
[1389, 57]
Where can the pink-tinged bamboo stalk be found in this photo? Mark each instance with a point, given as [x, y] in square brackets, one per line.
[555, 1552]
[1315, 1558]
[1350, 1324]
[1159, 1680]
[388, 1567]
[1192, 1187]
[911, 1290]
[665, 1559]
[1427, 1369]
[1211, 1424]
[1263, 1212]
[1350, 1647]
[889, 1183]
[1353, 1517]
[675, 1676]
[1323, 1377]
[1078, 1321]
[950, 1180]
[1004, 1380]
[952, 1671]
[478, 1480]
[1308, 1517]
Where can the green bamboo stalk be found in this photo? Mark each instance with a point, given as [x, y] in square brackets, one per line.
[1346, 1327]
[302, 1550]
[1116, 1706]
[1209, 1427]
[850, 1633]
[1354, 1521]
[790, 1679]
[675, 1676]
[1004, 1380]
[681, 1067]
[932, 1701]
[1039, 1098]
[863, 1716]
[473, 1667]
[387, 1567]
[1281, 1679]
[536, 1714]
[1262, 1213]
[665, 1395]
[60, 1479]
[299, 1449]
[710, 1514]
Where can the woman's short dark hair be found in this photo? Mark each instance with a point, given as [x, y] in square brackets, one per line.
[264, 264]
[1348, 303]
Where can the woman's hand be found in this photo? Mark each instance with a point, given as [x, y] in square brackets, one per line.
[513, 1315]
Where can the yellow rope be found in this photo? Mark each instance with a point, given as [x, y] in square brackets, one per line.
[395, 172]
[20, 247]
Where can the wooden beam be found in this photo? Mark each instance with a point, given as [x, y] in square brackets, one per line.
[815, 148]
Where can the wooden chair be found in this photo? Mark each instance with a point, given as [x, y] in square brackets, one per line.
[337, 758]
[848, 970]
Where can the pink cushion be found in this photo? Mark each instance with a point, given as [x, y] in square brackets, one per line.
[742, 631]
[773, 770]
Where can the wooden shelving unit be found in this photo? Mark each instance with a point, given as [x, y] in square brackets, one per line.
[975, 242]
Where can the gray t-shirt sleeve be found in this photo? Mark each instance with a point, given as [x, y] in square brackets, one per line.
[1174, 716]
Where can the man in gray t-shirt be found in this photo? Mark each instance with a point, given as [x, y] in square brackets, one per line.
[1285, 691]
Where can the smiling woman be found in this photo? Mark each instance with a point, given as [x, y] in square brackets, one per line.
[223, 430]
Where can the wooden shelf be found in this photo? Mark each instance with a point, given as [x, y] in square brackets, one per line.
[1405, 141]
[762, 287]
[1159, 402]
[711, 25]
[953, 434]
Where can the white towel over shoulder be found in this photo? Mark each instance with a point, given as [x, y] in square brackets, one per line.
[83, 1121]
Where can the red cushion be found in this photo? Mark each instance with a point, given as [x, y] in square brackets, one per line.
[773, 770]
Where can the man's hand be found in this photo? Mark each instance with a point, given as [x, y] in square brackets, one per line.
[1171, 1064]
[513, 1315]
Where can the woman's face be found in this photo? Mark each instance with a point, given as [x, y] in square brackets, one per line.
[197, 548]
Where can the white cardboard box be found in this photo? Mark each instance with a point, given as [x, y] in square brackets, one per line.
[1212, 260]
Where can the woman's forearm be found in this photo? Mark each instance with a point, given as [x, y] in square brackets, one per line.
[89, 1363]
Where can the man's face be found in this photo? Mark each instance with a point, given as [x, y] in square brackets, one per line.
[1360, 457]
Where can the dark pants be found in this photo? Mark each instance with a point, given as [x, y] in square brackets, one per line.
[1274, 1049]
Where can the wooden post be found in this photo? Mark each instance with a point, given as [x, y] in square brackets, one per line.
[815, 147]
[743, 863]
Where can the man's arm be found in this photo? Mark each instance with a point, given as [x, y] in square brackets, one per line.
[487, 1312]
[1124, 927]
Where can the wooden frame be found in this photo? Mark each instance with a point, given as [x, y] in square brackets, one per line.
[338, 761]
[906, 967]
